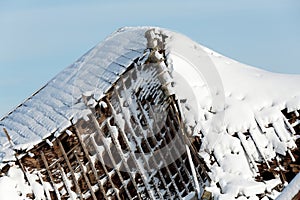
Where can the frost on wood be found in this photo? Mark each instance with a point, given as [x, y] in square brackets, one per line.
[132, 119]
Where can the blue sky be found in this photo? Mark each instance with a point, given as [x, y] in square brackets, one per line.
[40, 38]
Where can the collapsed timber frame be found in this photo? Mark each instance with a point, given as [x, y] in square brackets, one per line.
[133, 144]
[116, 151]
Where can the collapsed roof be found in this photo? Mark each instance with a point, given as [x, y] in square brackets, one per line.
[242, 122]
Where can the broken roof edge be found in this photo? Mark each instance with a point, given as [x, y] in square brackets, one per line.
[269, 114]
[75, 68]
[80, 59]
[134, 38]
[119, 30]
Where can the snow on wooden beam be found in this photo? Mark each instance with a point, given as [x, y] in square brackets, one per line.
[85, 177]
[91, 164]
[50, 175]
[78, 191]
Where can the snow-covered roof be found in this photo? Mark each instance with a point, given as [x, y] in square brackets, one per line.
[50, 109]
[234, 108]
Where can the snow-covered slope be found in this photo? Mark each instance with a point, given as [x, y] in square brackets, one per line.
[234, 108]
[250, 128]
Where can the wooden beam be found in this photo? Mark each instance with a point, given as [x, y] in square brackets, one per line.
[50, 175]
[8, 137]
[78, 191]
[44, 186]
[105, 169]
[90, 162]
[151, 113]
[85, 177]
[153, 138]
[143, 176]
[65, 181]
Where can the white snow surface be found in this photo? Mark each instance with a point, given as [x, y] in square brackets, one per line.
[251, 99]
[224, 97]
[13, 186]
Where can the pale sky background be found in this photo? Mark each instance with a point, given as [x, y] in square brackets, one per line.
[40, 38]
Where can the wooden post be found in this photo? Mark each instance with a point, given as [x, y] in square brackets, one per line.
[70, 168]
[90, 162]
[65, 181]
[85, 177]
[121, 153]
[44, 186]
[132, 154]
[159, 152]
[105, 169]
[151, 112]
[50, 175]
[134, 135]
[8, 137]
[186, 140]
